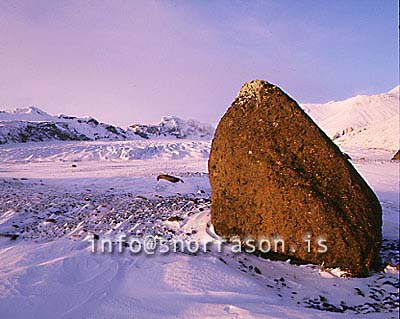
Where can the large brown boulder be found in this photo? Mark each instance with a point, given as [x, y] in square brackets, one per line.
[275, 174]
[396, 157]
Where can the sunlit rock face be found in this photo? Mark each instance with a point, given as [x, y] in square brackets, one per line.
[275, 174]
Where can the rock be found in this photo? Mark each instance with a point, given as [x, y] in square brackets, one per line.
[169, 178]
[11, 236]
[396, 156]
[347, 156]
[274, 173]
[175, 219]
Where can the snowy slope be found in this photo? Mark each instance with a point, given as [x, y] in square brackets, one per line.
[32, 114]
[361, 121]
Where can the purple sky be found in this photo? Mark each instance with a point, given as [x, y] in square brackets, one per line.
[134, 61]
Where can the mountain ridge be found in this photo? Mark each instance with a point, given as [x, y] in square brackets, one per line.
[32, 124]
[362, 121]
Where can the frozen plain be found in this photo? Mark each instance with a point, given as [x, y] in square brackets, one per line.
[48, 270]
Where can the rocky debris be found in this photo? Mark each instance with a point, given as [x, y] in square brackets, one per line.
[275, 174]
[379, 299]
[111, 213]
[169, 178]
[390, 253]
[375, 294]
[396, 157]
[46, 214]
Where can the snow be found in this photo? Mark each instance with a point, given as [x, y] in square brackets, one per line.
[31, 113]
[107, 151]
[49, 270]
[361, 121]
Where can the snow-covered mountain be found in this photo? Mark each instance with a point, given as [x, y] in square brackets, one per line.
[174, 126]
[361, 121]
[32, 124]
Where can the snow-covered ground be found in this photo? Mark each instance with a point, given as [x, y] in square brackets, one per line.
[107, 151]
[56, 196]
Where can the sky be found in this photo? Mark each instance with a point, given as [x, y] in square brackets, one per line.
[126, 62]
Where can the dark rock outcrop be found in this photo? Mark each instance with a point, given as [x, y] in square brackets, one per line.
[275, 174]
[22, 132]
[169, 178]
